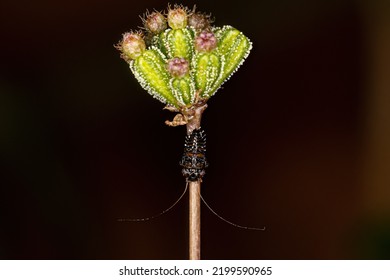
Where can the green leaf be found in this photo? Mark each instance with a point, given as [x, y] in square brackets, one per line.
[183, 89]
[178, 43]
[207, 71]
[235, 47]
[150, 71]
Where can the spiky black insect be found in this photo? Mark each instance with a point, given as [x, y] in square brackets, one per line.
[194, 160]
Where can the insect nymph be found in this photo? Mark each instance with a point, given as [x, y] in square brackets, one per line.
[194, 160]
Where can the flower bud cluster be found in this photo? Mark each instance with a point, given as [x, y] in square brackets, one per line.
[178, 57]
[133, 44]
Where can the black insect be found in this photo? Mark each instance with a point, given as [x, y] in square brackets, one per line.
[194, 160]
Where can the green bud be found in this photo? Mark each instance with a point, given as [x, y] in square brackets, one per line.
[132, 45]
[177, 17]
[155, 23]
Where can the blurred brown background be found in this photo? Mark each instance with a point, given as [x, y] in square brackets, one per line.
[298, 139]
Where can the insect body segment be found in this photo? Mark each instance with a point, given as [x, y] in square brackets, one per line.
[194, 160]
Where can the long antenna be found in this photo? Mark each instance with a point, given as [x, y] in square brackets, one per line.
[227, 221]
[157, 215]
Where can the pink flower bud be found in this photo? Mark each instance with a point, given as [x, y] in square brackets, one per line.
[155, 23]
[132, 45]
[178, 67]
[205, 42]
[177, 17]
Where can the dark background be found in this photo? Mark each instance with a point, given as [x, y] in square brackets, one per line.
[296, 138]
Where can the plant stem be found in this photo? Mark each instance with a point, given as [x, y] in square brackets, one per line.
[194, 190]
[194, 116]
